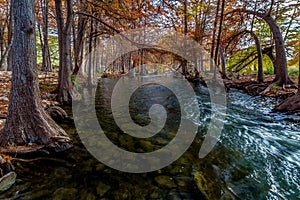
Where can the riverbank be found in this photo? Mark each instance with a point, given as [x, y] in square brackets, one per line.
[249, 84]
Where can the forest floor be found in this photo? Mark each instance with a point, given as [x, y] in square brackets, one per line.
[48, 82]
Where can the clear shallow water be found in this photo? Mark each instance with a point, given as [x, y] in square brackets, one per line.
[257, 157]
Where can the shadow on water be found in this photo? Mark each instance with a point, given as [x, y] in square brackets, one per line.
[258, 156]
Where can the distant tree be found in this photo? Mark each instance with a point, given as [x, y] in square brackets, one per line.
[218, 43]
[27, 122]
[79, 38]
[260, 71]
[46, 65]
[10, 37]
[65, 87]
[4, 46]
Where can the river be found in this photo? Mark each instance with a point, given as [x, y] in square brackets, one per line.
[257, 155]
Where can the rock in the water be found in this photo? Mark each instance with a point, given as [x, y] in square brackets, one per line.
[102, 188]
[65, 194]
[39, 194]
[7, 181]
[165, 181]
[57, 113]
[87, 196]
[122, 194]
[176, 195]
[8, 176]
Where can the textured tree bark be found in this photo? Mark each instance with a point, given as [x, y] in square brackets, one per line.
[65, 87]
[27, 122]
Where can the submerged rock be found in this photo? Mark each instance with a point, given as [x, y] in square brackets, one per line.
[102, 189]
[65, 194]
[122, 194]
[165, 181]
[38, 194]
[8, 176]
[87, 196]
[7, 181]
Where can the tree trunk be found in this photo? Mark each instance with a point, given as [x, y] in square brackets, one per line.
[4, 48]
[185, 17]
[47, 66]
[90, 61]
[78, 47]
[185, 20]
[10, 37]
[299, 72]
[27, 122]
[269, 52]
[219, 33]
[260, 73]
[65, 86]
[291, 104]
[281, 76]
[214, 31]
[2, 42]
[223, 64]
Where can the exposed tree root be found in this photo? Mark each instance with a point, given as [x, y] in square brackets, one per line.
[291, 104]
[57, 113]
[20, 150]
[250, 87]
[268, 89]
[58, 144]
[39, 158]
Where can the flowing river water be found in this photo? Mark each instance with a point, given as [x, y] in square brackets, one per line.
[257, 156]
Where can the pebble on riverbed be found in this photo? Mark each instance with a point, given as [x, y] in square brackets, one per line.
[8, 176]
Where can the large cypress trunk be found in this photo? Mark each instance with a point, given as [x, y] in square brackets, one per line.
[26, 121]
